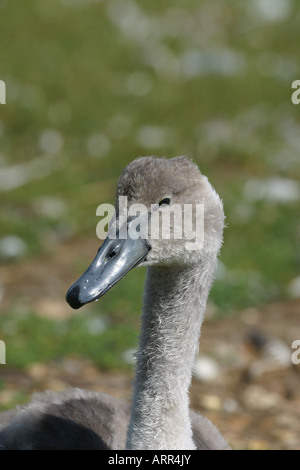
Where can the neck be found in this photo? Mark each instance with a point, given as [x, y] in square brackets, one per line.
[174, 306]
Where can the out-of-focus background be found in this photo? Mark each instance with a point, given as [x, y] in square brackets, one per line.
[91, 85]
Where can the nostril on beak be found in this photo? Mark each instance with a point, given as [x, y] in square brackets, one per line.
[114, 251]
[111, 254]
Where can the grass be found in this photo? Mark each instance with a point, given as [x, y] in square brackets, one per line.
[40, 340]
[69, 69]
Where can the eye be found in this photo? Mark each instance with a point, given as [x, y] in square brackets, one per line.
[165, 200]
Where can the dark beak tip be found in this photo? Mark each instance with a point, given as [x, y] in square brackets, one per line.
[72, 297]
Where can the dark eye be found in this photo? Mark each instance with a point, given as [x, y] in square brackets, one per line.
[165, 200]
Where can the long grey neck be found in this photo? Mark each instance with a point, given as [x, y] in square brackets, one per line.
[174, 306]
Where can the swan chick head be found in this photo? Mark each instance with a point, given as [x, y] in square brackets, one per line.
[185, 217]
[172, 216]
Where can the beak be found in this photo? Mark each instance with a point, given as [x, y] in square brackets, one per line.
[114, 259]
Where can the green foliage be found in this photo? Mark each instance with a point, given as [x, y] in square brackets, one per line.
[92, 85]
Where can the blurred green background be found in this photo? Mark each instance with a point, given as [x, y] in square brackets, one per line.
[91, 85]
